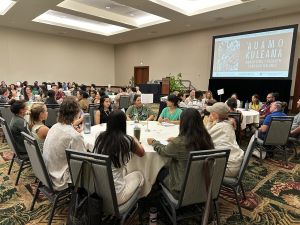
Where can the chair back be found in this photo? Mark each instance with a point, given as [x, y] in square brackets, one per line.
[5, 112]
[238, 118]
[53, 110]
[247, 156]
[37, 161]
[124, 102]
[101, 168]
[279, 130]
[194, 185]
[8, 136]
[92, 110]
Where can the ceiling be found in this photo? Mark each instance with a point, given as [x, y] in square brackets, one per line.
[136, 20]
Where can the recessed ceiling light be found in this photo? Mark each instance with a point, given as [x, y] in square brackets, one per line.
[107, 7]
[78, 23]
[131, 14]
[6, 5]
[193, 7]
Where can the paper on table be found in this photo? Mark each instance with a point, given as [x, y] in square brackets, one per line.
[167, 124]
[163, 142]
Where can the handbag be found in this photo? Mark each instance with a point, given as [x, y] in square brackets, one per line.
[85, 208]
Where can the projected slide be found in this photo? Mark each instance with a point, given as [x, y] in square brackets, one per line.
[257, 55]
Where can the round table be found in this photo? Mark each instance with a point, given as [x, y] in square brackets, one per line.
[151, 163]
[249, 117]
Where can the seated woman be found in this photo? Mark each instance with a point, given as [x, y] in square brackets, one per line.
[138, 111]
[83, 101]
[18, 124]
[223, 136]
[51, 98]
[207, 97]
[171, 113]
[38, 114]
[61, 136]
[182, 97]
[119, 146]
[101, 115]
[28, 95]
[232, 104]
[255, 104]
[192, 136]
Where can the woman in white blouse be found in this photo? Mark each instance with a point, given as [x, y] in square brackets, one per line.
[61, 136]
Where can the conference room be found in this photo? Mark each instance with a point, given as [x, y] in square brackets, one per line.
[149, 112]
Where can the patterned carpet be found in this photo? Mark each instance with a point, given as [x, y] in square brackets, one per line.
[273, 196]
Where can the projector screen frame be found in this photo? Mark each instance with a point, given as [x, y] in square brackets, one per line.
[292, 55]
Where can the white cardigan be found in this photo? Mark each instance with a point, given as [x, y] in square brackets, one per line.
[223, 137]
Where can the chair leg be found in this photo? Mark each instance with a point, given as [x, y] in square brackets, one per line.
[53, 210]
[243, 191]
[285, 155]
[296, 153]
[11, 164]
[260, 157]
[35, 196]
[217, 212]
[19, 173]
[238, 203]
[174, 217]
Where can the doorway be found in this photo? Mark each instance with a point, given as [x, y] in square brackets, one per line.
[141, 74]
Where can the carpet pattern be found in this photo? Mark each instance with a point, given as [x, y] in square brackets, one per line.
[272, 189]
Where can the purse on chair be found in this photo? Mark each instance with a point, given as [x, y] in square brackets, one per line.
[85, 208]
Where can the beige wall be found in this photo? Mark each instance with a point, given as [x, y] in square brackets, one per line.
[34, 56]
[189, 53]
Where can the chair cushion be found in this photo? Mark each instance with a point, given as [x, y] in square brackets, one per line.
[130, 203]
[230, 181]
[170, 197]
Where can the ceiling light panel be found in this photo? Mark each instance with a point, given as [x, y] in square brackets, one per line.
[5, 6]
[78, 23]
[114, 11]
[194, 7]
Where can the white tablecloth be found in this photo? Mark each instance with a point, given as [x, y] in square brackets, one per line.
[151, 163]
[249, 117]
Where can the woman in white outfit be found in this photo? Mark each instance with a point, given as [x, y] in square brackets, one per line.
[119, 146]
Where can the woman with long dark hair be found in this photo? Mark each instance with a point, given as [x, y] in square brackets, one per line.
[192, 136]
[171, 113]
[119, 146]
[101, 115]
[139, 111]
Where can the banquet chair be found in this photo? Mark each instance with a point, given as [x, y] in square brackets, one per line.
[103, 183]
[21, 159]
[53, 110]
[45, 185]
[276, 136]
[237, 116]
[235, 183]
[193, 191]
[294, 142]
[92, 110]
[124, 102]
[6, 113]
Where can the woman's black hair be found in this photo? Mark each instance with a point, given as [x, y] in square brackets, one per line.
[17, 105]
[102, 99]
[232, 103]
[114, 142]
[135, 97]
[174, 99]
[25, 93]
[193, 130]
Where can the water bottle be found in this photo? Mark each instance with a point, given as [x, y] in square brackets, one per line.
[136, 118]
[153, 216]
[87, 123]
[247, 106]
[137, 132]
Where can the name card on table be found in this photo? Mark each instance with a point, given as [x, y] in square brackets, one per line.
[147, 98]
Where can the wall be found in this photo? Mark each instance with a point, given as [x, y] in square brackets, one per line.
[189, 53]
[31, 56]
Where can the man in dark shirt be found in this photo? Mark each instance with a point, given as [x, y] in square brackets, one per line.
[265, 109]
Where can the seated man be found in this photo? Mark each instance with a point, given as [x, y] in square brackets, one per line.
[295, 130]
[197, 103]
[4, 93]
[265, 109]
[275, 110]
